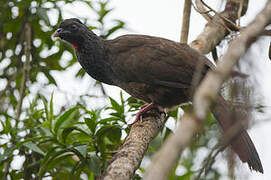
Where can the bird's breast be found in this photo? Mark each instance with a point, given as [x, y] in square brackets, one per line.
[95, 67]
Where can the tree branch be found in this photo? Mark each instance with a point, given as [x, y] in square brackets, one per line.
[126, 161]
[168, 155]
[6, 170]
[186, 21]
[215, 30]
[23, 85]
[206, 94]
[201, 9]
[221, 145]
[26, 69]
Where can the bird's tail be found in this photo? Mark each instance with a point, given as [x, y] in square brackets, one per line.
[241, 144]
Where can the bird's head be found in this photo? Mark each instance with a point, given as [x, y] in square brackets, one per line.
[73, 31]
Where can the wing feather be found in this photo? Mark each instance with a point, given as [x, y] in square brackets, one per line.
[156, 61]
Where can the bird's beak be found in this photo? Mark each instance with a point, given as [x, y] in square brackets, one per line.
[58, 32]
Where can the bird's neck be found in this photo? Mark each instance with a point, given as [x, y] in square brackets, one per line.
[93, 58]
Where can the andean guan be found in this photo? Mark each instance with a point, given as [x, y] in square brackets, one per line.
[156, 70]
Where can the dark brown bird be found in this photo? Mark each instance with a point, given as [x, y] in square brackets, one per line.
[156, 70]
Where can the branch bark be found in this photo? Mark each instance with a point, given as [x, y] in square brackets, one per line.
[186, 21]
[126, 161]
[207, 92]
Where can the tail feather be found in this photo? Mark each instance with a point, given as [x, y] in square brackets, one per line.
[242, 143]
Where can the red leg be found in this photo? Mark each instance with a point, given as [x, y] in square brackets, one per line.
[143, 109]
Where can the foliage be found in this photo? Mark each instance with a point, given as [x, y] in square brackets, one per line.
[46, 140]
[76, 142]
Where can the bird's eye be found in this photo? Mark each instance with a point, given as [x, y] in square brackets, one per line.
[74, 27]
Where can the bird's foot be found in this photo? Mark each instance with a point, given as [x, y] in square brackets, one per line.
[143, 110]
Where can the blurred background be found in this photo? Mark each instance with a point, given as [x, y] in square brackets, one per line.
[59, 123]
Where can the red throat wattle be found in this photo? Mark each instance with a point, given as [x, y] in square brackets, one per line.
[75, 46]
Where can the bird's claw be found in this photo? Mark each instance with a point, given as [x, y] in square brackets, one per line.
[143, 110]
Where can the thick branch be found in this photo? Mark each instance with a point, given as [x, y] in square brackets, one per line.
[206, 94]
[128, 158]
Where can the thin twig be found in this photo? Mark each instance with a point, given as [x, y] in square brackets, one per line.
[26, 69]
[186, 21]
[221, 145]
[222, 17]
[201, 10]
[214, 31]
[6, 170]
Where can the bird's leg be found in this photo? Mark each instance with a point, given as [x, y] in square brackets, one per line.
[143, 109]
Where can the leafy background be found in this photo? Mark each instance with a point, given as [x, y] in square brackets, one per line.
[59, 135]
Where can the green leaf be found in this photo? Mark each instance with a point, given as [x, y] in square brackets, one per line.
[91, 176]
[121, 98]
[48, 157]
[50, 78]
[7, 127]
[107, 120]
[103, 11]
[174, 113]
[45, 104]
[7, 154]
[107, 129]
[6, 115]
[3, 126]
[66, 132]
[94, 165]
[33, 147]
[77, 169]
[82, 149]
[58, 161]
[117, 114]
[42, 12]
[51, 113]
[66, 116]
[172, 174]
[114, 134]
[90, 122]
[187, 107]
[116, 106]
[80, 73]
[120, 25]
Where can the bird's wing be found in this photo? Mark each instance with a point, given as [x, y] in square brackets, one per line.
[156, 61]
